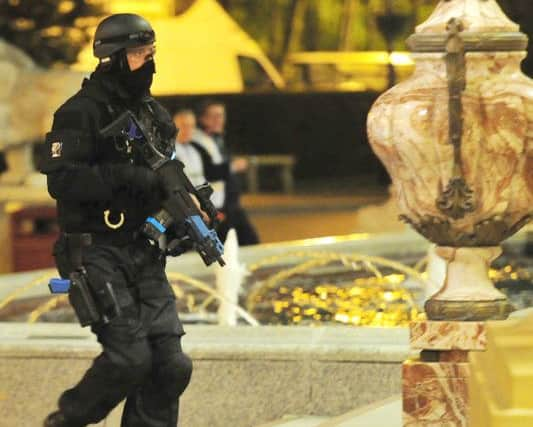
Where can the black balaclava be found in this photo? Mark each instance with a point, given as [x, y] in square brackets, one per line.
[138, 82]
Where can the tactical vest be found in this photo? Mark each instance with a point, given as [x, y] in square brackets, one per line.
[103, 105]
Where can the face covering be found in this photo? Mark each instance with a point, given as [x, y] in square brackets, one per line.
[138, 82]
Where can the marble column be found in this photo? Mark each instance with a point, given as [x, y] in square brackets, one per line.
[435, 384]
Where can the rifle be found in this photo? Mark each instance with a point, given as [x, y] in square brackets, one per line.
[178, 208]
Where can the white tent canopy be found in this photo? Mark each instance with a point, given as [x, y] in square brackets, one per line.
[198, 52]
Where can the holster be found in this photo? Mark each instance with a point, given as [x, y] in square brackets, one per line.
[92, 302]
[81, 299]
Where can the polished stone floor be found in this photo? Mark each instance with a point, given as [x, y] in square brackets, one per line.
[384, 413]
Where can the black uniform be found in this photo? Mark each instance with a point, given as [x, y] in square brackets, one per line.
[103, 189]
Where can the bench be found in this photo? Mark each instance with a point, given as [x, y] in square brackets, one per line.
[284, 162]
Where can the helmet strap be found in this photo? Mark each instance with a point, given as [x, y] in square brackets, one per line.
[117, 62]
[105, 63]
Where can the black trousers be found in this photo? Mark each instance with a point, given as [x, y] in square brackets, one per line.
[237, 218]
[142, 359]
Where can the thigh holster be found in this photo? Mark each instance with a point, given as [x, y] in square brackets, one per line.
[94, 302]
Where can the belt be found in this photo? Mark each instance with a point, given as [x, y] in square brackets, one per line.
[118, 238]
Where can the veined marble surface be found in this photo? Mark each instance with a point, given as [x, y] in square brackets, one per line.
[431, 335]
[408, 130]
[466, 276]
[476, 15]
[435, 394]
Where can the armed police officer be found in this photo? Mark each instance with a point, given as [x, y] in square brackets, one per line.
[104, 194]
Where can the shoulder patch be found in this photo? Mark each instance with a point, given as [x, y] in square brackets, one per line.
[56, 149]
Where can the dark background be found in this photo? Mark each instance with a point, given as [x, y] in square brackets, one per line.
[326, 132]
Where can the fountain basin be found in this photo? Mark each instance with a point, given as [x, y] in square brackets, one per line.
[243, 376]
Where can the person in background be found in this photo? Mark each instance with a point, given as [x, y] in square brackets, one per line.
[221, 169]
[189, 155]
[185, 122]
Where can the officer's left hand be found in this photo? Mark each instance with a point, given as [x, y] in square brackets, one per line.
[205, 217]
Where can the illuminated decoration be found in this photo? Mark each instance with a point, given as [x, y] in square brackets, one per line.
[362, 302]
[197, 51]
[366, 297]
[352, 71]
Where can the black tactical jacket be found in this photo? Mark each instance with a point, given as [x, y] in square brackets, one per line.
[101, 184]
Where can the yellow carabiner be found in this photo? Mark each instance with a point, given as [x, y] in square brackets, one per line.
[119, 224]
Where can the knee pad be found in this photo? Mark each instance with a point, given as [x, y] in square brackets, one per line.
[174, 374]
[131, 369]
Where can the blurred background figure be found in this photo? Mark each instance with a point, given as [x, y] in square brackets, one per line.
[185, 121]
[221, 169]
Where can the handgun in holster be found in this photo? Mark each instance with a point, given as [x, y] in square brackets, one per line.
[89, 308]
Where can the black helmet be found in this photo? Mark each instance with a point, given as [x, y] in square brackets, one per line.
[121, 31]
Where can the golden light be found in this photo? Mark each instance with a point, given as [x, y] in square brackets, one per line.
[65, 7]
[54, 31]
[24, 24]
[401, 59]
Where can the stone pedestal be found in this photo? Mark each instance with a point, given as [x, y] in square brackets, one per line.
[435, 384]
[468, 294]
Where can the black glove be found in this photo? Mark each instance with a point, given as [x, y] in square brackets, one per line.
[178, 247]
[178, 241]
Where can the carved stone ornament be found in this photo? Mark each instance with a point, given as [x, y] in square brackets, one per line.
[457, 137]
[457, 141]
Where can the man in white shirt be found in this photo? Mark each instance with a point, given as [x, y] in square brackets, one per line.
[220, 169]
[185, 121]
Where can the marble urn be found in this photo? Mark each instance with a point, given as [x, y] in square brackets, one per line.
[457, 141]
